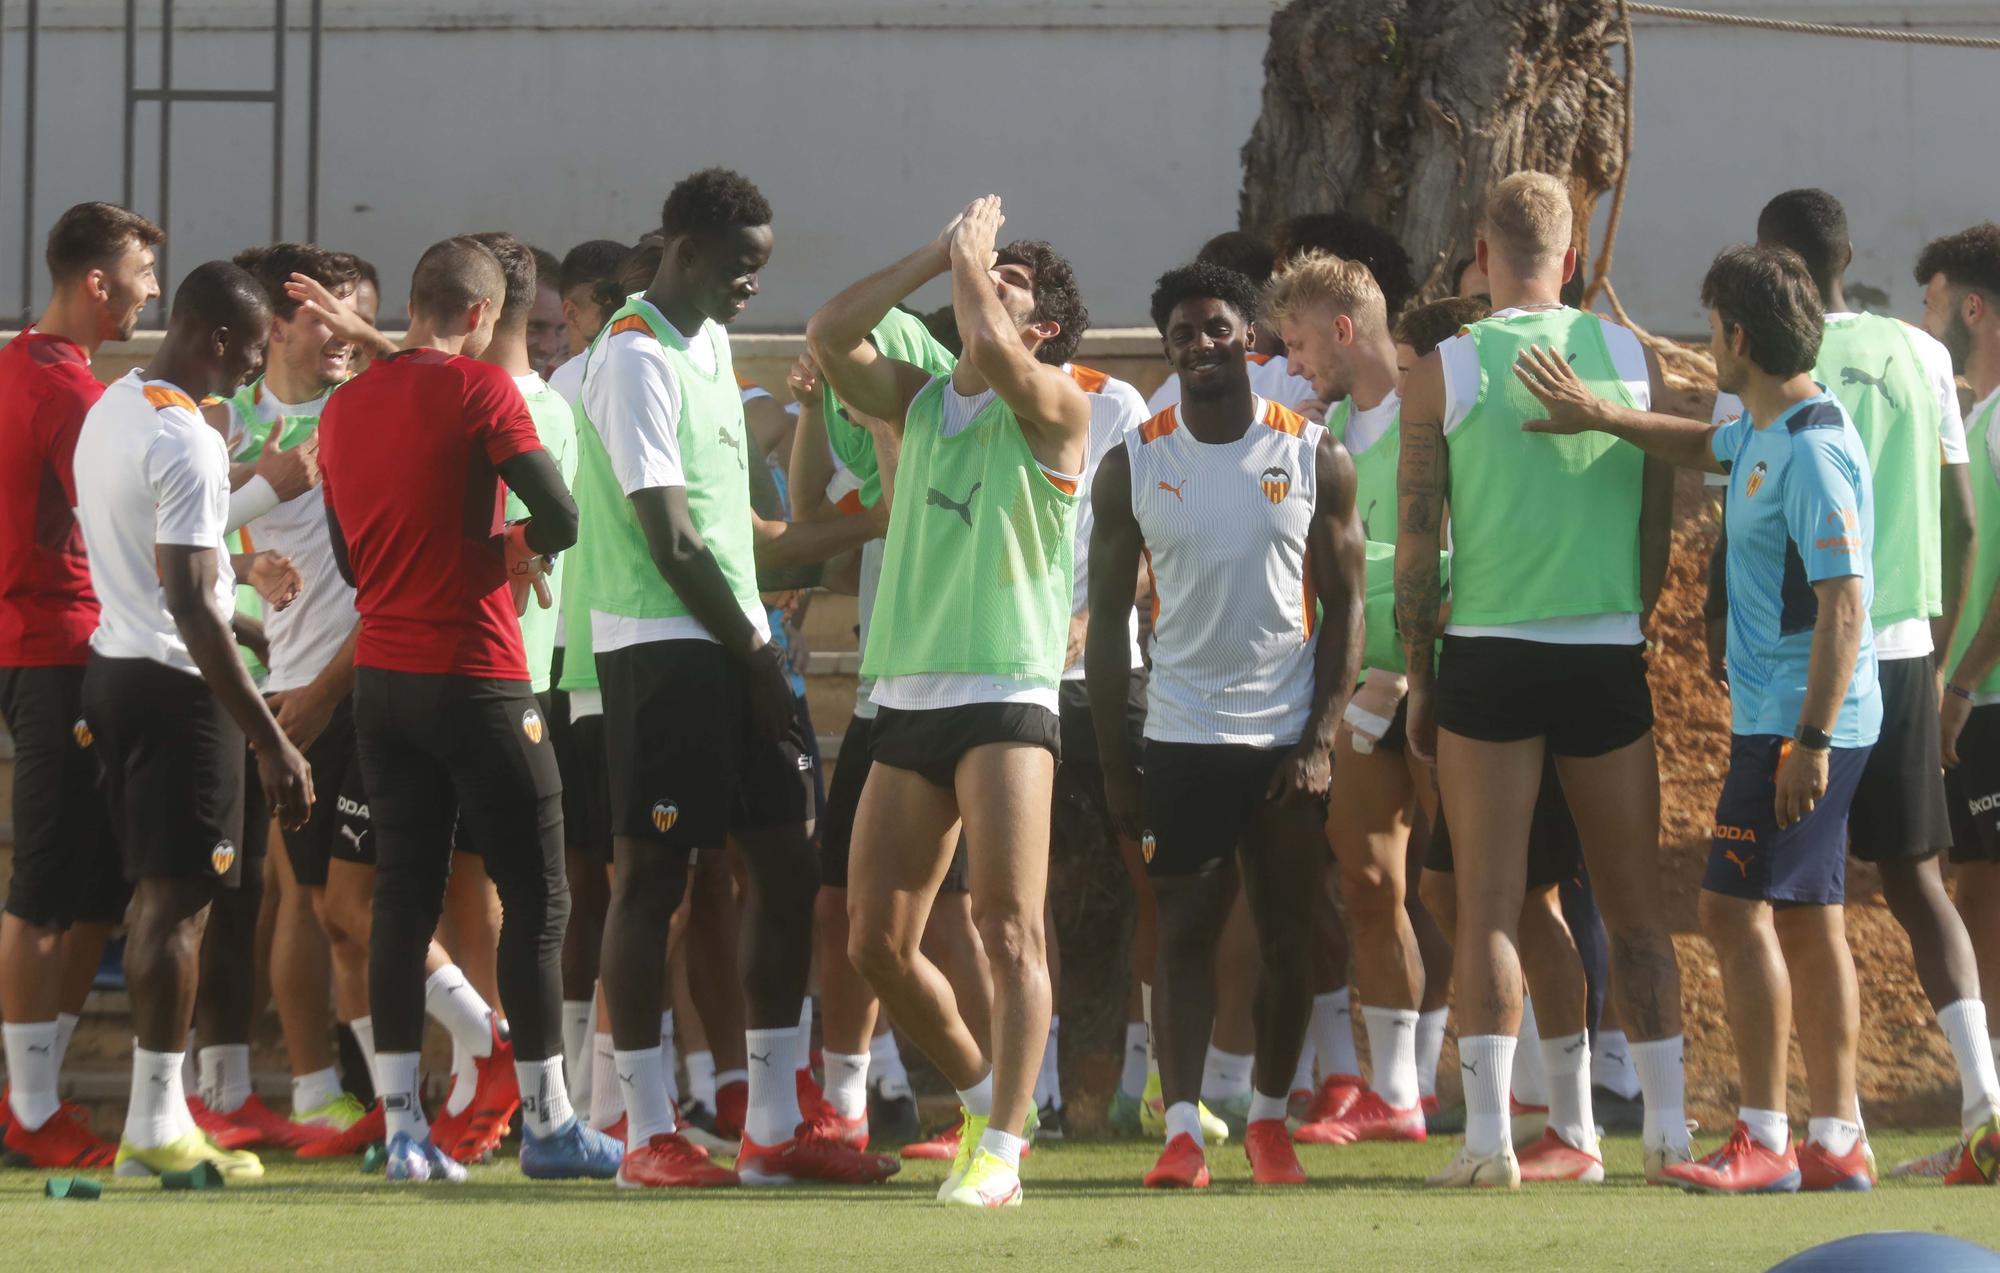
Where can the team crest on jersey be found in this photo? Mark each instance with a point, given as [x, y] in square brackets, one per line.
[1755, 482]
[1277, 484]
[665, 814]
[81, 732]
[531, 725]
[1148, 846]
[222, 857]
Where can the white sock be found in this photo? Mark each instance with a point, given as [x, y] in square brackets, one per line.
[805, 1050]
[545, 1107]
[1183, 1119]
[669, 1058]
[1302, 1073]
[1392, 1048]
[643, 1083]
[774, 1087]
[1132, 1075]
[1836, 1135]
[701, 1077]
[1663, 1079]
[157, 1113]
[1768, 1127]
[1430, 1046]
[190, 1081]
[1003, 1145]
[885, 1065]
[1964, 1026]
[1486, 1062]
[577, 1019]
[1566, 1061]
[607, 1094]
[310, 1091]
[455, 1005]
[65, 1031]
[225, 1076]
[31, 1072]
[846, 1082]
[396, 1083]
[364, 1038]
[1611, 1064]
[1332, 1030]
[1264, 1107]
[1531, 1085]
[1048, 1083]
[1225, 1075]
[978, 1099]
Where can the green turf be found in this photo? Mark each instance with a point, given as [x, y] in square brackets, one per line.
[1363, 1210]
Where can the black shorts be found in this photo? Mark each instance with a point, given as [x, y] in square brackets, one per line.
[338, 827]
[586, 785]
[435, 746]
[1899, 812]
[1586, 700]
[66, 866]
[1079, 726]
[684, 771]
[1555, 851]
[173, 772]
[930, 743]
[843, 798]
[1973, 787]
[1198, 799]
[1397, 736]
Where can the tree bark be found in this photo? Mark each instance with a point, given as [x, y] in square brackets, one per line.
[1406, 111]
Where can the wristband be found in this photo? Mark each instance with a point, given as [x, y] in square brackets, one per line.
[1813, 739]
[1957, 692]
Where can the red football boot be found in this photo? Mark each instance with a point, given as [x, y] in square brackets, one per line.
[1273, 1161]
[225, 1131]
[494, 1101]
[1742, 1165]
[668, 1161]
[732, 1106]
[1553, 1158]
[273, 1128]
[1182, 1165]
[1368, 1117]
[941, 1146]
[1821, 1170]
[811, 1155]
[1337, 1094]
[64, 1140]
[369, 1129]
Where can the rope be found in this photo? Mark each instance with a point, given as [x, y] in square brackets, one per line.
[1814, 28]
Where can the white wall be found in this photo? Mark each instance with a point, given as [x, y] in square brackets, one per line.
[1112, 128]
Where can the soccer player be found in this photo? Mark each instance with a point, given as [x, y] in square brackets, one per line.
[1960, 274]
[413, 452]
[702, 739]
[1544, 653]
[166, 699]
[1244, 512]
[1804, 705]
[548, 322]
[1335, 324]
[68, 889]
[968, 652]
[1896, 383]
[1271, 376]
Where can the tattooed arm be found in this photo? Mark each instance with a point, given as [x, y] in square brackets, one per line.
[1421, 489]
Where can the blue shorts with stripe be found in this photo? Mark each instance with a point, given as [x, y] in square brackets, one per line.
[1750, 856]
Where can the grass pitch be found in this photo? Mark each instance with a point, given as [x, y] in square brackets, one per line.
[1364, 1209]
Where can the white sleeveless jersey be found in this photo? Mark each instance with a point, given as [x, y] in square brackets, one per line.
[1224, 528]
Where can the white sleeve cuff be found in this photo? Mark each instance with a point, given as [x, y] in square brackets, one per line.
[250, 501]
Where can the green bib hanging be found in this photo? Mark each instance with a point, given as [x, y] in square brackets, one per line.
[1986, 547]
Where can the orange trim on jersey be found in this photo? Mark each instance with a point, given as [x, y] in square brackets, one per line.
[162, 398]
[1284, 419]
[630, 323]
[1160, 425]
[850, 504]
[1257, 358]
[743, 381]
[1311, 594]
[1152, 585]
[1088, 379]
[1067, 485]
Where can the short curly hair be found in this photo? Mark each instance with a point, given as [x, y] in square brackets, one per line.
[273, 265]
[1770, 293]
[1056, 297]
[713, 200]
[1425, 327]
[1204, 280]
[1970, 258]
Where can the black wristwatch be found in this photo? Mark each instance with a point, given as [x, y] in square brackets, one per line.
[1813, 739]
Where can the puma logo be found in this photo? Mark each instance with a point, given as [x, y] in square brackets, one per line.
[1365, 532]
[1856, 376]
[1470, 1067]
[735, 444]
[1574, 1048]
[42, 1048]
[623, 1077]
[1742, 864]
[938, 499]
[353, 836]
[764, 1059]
[1173, 489]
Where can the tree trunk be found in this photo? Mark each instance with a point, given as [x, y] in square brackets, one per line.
[1405, 111]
